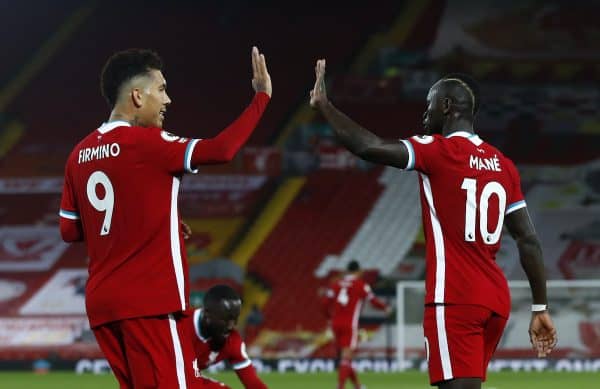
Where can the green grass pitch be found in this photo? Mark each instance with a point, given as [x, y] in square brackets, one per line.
[410, 380]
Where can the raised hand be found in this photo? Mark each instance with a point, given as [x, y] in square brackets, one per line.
[261, 80]
[318, 96]
[542, 333]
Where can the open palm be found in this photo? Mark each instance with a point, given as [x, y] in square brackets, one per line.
[318, 96]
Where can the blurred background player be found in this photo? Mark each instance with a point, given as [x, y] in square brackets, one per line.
[344, 300]
[216, 339]
[468, 189]
[120, 196]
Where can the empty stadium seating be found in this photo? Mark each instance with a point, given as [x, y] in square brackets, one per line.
[321, 220]
[388, 232]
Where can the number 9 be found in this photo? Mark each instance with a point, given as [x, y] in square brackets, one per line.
[103, 205]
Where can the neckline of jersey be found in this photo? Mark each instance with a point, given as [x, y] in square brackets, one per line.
[461, 133]
[109, 126]
[197, 318]
[474, 138]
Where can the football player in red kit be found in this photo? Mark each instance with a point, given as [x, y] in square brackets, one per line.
[469, 190]
[215, 338]
[120, 197]
[344, 301]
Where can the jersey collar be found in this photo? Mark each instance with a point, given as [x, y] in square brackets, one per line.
[197, 318]
[109, 126]
[474, 138]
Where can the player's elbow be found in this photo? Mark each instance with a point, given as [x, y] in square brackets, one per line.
[529, 248]
[224, 152]
[70, 231]
[229, 154]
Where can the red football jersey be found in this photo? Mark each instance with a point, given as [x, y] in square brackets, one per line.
[467, 188]
[122, 183]
[346, 297]
[234, 350]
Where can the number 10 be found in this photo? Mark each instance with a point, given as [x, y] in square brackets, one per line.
[492, 187]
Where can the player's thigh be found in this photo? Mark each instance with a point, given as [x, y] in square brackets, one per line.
[344, 337]
[492, 334]
[209, 383]
[159, 353]
[110, 340]
[454, 341]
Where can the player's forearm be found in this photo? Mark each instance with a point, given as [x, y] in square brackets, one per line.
[250, 379]
[353, 136]
[228, 142]
[378, 303]
[530, 253]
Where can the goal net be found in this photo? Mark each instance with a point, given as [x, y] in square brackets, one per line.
[575, 309]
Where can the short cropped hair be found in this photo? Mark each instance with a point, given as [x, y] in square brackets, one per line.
[220, 292]
[471, 85]
[122, 67]
[353, 266]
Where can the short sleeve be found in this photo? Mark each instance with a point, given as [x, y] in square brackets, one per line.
[515, 199]
[68, 201]
[424, 152]
[237, 356]
[171, 152]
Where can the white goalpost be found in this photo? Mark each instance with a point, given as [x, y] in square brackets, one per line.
[575, 309]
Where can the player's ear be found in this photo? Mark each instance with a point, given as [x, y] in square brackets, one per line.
[137, 97]
[446, 104]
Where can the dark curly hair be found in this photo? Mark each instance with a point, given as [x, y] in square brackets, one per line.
[122, 67]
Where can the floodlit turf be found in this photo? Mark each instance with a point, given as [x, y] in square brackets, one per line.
[315, 381]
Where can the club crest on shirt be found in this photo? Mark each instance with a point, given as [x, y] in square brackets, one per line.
[423, 139]
[168, 136]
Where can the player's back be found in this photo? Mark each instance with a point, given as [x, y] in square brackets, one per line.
[467, 187]
[126, 196]
[349, 293]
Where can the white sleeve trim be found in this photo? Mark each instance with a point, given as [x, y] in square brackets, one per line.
[242, 365]
[196, 321]
[189, 151]
[69, 214]
[410, 165]
[514, 206]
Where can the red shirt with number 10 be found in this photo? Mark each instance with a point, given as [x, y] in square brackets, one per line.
[467, 188]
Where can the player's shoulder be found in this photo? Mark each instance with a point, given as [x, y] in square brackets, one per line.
[235, 337]
[160, 136]
[86, 141]
[234, 343]
[497, 153]
[427, 139]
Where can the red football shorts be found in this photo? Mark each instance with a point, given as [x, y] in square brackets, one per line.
[149, 352]
[460, 340]
[209, 383]
[345, 336]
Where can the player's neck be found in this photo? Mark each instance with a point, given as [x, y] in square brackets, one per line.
[458, 124]
[117, 114]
